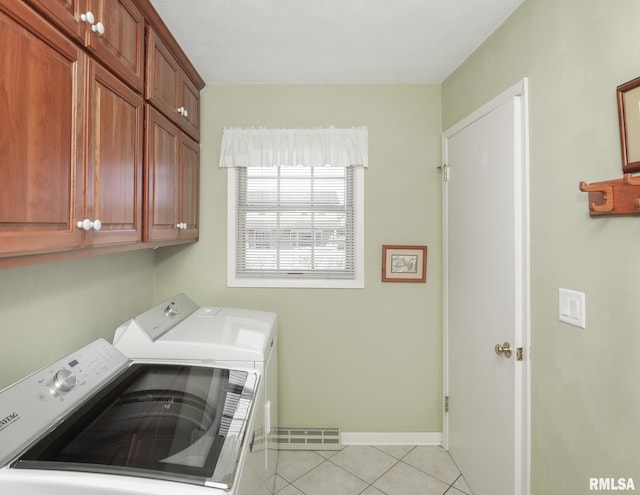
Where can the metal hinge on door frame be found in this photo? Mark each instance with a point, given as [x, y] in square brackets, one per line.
[446, 403]
[445, 171]
[519, 354]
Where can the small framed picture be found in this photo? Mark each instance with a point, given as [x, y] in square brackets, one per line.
[404, 263]
[629, 118]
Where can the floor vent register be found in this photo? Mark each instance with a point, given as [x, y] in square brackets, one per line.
[308, 438]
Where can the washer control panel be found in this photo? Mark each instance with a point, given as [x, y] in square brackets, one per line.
[37, 403]
[158, 320]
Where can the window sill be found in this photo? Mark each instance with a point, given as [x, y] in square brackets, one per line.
[296, 283]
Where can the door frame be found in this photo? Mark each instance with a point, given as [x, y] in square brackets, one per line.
[522, 449]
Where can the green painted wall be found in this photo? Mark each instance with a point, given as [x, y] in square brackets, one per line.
[349, 357]
[50, 310]
[585, 395]
[363, 359]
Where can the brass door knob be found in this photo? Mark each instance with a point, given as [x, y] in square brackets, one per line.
[504, 349]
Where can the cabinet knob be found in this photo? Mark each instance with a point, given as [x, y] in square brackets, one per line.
[87, 224]
[87, 17]
[181, 110]
[185, 113]
[98, 28]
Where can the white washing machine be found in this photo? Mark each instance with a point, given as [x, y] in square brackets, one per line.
[179, 329]
[98, 422]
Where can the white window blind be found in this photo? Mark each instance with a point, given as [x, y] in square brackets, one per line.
[295, 222]
[295, 206]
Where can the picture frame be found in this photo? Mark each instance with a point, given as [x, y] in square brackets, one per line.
[628, 96]
[404, 263]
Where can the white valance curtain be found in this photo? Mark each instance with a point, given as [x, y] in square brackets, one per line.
[294, 147]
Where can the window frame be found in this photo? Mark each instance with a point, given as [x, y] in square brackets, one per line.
[357, 282]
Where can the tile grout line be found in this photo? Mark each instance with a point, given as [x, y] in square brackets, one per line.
[451, 485]
[431, 475]
[324, 459]
[371, 484]
[398, 461]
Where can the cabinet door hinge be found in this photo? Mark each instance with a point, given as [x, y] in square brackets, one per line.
[519, 354]
[446, 403]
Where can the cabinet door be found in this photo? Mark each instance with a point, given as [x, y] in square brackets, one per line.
[42, 92]
[190, 120]
[189, 187]
[117, 38]
[114, 159]
[163, 78]
[162, 177]
[169, 88]
[65, 14]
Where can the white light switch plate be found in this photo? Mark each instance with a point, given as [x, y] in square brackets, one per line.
[572, 307]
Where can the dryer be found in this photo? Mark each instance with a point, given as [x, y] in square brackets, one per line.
[179, 329]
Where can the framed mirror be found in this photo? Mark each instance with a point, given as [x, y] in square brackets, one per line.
[629, 117]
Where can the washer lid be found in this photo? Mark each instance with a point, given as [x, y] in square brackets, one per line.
[224, 334]
[175, 422]
[206, 334]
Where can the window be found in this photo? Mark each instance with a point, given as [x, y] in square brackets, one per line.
[295, 226]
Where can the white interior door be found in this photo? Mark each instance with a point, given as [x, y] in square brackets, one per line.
[486, 296]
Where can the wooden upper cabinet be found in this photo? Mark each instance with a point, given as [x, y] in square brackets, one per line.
[172, 165]
[72, 138]
[189, 200]
[65, 14]
[114, 159]
[161, 166]
[41, 151]
[112, 30]
[190, 121]
[119, 43]
[169, 89]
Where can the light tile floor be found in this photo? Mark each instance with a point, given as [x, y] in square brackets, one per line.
[362, 470]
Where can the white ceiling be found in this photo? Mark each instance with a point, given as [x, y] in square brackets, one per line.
[330, 41]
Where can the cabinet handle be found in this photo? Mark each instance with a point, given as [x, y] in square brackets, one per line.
[87, 224]
[185, 113]
[181, 226]
[98, 28]
[87, 17]
[181, 110]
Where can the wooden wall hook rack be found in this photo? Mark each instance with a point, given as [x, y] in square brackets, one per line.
[613, 197]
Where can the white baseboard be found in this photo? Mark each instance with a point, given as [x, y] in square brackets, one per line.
[391, 438]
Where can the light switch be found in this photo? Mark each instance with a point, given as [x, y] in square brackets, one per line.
[571, 307]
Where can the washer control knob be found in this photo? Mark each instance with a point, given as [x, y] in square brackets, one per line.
[64, 380]
[171, 310]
